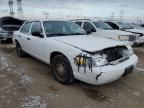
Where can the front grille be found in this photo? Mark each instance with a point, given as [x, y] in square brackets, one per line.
[132, 38]
[10, 33]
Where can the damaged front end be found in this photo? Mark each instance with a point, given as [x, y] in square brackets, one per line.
[8, 25]
[108, 56]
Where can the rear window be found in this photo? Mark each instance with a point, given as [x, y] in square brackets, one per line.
[102, 25]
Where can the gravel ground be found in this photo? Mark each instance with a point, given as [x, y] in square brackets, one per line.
[28, 83]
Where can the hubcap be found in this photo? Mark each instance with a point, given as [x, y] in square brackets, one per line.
[60, 70]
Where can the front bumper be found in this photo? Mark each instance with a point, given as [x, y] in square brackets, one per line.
[4, 36]
[105, 74]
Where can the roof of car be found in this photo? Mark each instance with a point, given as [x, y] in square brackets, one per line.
[115, 21]
[50, 19]
[85, 19]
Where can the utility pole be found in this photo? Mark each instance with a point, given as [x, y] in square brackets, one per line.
[112, 16]
[10, 3]
[121, 15]
[20, 9]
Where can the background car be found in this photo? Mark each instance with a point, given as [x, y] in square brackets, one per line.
[125, 27]
[7, 26]
[102, 29]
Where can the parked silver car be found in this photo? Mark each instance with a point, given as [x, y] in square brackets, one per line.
[7, 26]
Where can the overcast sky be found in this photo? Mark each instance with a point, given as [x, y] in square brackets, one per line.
[93, 8]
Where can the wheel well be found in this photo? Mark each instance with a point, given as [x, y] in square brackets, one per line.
[16, 41]
[55, 54]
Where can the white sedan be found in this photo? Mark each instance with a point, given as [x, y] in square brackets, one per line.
[74, 55]
[102, 29]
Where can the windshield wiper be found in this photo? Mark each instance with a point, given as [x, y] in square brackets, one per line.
[56, 34]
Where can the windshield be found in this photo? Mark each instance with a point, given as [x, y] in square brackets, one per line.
[124, 25]
[102, 25]
[63, 28]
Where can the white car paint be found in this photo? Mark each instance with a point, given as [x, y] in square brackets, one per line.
[110, 34]
[72, 46]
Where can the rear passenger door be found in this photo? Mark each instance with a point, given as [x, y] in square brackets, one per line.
[87, 26]
[36, 43]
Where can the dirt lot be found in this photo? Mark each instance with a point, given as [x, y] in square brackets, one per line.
[28, 83]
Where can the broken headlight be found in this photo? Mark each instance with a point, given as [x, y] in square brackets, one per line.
[84, 61]
[89, 61]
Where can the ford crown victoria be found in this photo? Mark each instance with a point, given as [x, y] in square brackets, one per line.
[74, 55]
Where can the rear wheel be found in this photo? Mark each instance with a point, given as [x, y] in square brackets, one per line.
[19, 50]
[62, 69]
[6, 41]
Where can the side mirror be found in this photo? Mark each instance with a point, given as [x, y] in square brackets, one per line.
[37, 34]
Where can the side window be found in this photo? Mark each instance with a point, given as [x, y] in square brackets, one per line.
[36, 27]
[114, 26]
[88, 26]
[79, 23]
[26, 28]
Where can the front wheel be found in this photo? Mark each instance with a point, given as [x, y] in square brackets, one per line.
[62, 69]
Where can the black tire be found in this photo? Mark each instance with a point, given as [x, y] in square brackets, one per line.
[19, 50]
[65, 75]
[6, 41]
[135, 45]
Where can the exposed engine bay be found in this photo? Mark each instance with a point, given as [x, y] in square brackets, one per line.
[115, 53]
[108, 56]
[10, 23]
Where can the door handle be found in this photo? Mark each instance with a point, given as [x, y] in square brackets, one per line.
[19, 36]
[28, 38]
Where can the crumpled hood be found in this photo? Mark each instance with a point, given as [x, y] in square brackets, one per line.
[136, 30]
[88, 43]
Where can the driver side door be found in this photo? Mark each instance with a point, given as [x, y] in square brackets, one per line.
[37, 43]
